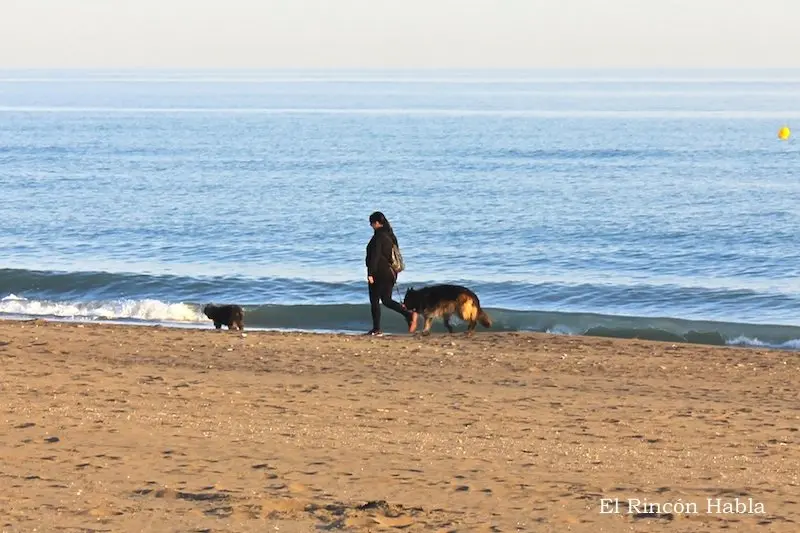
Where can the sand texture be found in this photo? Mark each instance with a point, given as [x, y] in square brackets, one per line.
[135, 428]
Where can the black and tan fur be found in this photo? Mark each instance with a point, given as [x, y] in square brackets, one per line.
[228, 315]
[445, 301]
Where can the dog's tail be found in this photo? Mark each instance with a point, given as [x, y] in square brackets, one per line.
[484, 319]
[470, 309]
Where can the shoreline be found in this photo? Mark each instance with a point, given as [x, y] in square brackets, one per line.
[148, 429]
[698, 339]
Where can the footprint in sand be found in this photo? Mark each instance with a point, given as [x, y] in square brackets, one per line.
[282, 506]
[400, 521]
[297, 488]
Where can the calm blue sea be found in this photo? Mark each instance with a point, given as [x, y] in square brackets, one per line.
[653, 204]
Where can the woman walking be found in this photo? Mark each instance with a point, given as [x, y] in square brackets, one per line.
[381, 276]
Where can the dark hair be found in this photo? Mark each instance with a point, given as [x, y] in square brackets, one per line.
[377, 216]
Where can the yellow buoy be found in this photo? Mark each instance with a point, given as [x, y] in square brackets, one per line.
[784, 133]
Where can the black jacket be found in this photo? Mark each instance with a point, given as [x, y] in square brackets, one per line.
[379, 254]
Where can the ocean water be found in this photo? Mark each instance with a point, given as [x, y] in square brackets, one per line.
[652, 204]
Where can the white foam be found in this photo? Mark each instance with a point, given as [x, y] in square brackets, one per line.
[561, 329]
[741, 340]
[531, 78]
[150, 310]
[425, 112]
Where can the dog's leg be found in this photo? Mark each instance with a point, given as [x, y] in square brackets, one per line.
[471, 328]
[428, 323]
[447, 323]
[218, 325]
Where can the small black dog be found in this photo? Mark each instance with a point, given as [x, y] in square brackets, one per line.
[229, 315]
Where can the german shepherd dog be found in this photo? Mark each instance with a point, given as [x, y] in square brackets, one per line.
[444, 301]
[229, 315]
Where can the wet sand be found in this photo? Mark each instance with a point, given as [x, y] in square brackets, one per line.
[133, 428]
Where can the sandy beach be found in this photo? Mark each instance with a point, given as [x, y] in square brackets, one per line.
[138, 428]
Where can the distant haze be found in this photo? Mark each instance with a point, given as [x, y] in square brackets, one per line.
[399, 33]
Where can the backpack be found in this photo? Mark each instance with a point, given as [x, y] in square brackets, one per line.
[398, 265]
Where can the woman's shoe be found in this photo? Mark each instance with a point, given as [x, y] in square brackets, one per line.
[374, 333]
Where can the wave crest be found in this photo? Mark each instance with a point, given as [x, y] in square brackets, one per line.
[146, 310]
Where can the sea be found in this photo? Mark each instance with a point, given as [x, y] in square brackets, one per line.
[653, 204]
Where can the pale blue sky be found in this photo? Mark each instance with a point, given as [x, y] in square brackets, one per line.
[399, 33]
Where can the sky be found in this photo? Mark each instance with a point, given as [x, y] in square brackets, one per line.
[404, 34]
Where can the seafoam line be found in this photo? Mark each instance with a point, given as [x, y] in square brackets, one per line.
[539, 113]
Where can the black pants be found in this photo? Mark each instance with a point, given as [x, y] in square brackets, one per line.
[380, 290]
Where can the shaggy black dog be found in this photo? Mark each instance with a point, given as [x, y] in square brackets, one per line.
[228, 315]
